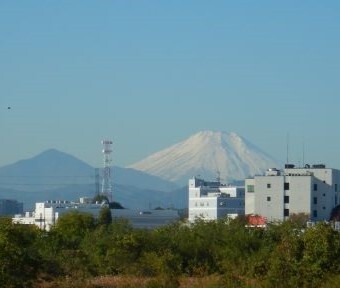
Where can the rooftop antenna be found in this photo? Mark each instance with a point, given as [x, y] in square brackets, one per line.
[218, 178]
[106, 183]
[303, 153]
[287, 148]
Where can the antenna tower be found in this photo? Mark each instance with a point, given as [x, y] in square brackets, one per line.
[97, 180]
[106, 183]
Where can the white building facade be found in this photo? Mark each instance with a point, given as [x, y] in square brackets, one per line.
[44, 216]
[47, 214]
[277, 195]
[213, 200]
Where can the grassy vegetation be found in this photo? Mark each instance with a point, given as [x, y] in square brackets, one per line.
[83, 252]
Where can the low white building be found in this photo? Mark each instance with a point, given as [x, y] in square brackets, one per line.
[313, 190]
[47, 214]
[213, 200]
[44, 216]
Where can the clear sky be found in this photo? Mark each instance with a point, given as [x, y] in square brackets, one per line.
[148, 74]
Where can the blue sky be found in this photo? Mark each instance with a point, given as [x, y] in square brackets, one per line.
[148, 74]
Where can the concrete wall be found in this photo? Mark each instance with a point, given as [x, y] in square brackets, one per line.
[308, 190]
[213, 202]
[269, 197]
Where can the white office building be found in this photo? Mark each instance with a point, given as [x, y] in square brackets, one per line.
[44, 216]
[313, 190]
[213, 200]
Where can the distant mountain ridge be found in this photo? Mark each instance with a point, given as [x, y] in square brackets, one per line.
[56, 167]
[47, 170]
[210, 154]
[55, 175]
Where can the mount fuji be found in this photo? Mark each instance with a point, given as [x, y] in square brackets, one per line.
[208, 154]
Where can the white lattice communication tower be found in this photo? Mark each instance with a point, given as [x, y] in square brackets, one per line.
[106, 183]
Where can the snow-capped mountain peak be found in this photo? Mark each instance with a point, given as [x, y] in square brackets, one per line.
[208, 154]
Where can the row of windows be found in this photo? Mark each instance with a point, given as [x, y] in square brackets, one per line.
[286, 213]
[286, 186]
[201, 204]
[207, 204]
[285, 199]
[250, 188]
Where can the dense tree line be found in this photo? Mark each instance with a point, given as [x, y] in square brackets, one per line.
[80, 247]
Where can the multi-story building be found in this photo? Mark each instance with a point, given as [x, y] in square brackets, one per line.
[313, 190]
[213, 200]
[44, 216]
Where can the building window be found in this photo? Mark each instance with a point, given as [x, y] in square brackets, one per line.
[250, 188]
[286, 212]
[268, 198]
[196, 204]
[336, 187]
[268, 185]
[315, 187]
[286, 199]
[324, 208]
[286, 186]
[315, 200]
[201, 204]
[324, 194]
[315, 213]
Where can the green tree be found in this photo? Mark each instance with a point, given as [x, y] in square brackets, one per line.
[20, 262]
[73, 227]
[284, 261]
[65, 243]
[105, 216]
[321, 254]
[107, 248]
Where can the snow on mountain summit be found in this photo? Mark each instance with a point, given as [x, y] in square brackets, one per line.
[207, 153]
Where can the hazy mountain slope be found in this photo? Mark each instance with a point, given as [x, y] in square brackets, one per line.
[54, 175]
[204, 154]
[48, 170]
[129, 196]
[53, 169]
[140, 179]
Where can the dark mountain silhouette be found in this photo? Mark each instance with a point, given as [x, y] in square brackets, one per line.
[55, 175]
